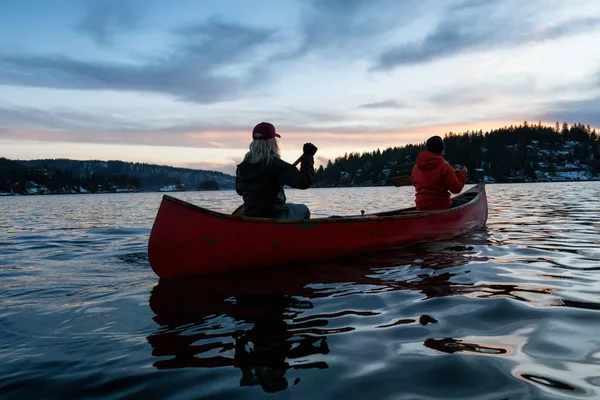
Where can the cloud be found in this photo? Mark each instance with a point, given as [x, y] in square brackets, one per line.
[228, 167]
[476, 92]
[569, 28]
[322, 160]
[104, 18]
[458, 97]
[304, 116]
[472, 4]
[348, 27]
[223, 43]
[67, 125]
[63, 120]
[483, 26]
[579, 111]
[358, 29]
[384, 104]
[212, 62]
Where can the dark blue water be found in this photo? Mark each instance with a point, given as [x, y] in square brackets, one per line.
[509, 311]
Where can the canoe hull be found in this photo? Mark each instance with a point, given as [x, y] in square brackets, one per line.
[188, 240]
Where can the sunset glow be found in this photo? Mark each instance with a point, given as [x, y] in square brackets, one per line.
[184, 84]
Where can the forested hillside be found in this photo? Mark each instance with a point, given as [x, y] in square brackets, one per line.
[72, 176]
[524, 153]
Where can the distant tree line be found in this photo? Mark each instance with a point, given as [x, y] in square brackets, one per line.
[17, 177]
[152, 177]
[72, 176]
[209, 185]
[507, 154]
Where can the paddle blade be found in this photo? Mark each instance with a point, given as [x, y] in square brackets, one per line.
[401, 181]
[238, 211]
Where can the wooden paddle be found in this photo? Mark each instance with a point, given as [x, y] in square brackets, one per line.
[238, 211]
[403, 180]
[398, 181]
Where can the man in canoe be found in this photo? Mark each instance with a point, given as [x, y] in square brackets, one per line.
[262, 174]
[434, 178]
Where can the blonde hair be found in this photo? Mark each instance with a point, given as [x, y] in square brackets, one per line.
[262, 151]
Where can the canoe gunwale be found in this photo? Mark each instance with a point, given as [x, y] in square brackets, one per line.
[405, 213]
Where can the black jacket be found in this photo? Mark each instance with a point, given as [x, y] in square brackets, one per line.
[261, 185]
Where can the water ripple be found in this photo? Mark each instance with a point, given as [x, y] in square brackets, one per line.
[509, 311]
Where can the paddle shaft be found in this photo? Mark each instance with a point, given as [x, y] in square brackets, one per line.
[297, 161]
[238, 211]
[403, 180]
[398, 181]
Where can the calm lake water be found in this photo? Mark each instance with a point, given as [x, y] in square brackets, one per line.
[511, 311]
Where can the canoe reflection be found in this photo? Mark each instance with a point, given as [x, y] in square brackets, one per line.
[449, 345]
[263, 344]
[262, 321]
[253, 320]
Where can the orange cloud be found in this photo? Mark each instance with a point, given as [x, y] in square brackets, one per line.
[217, 150]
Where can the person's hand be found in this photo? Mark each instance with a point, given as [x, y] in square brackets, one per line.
[463, 169]
[309, 149]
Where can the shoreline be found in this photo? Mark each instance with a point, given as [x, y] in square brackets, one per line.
[4, 194]
[469, 183]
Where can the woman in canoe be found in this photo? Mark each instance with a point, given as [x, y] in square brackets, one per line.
[262, 174]
[434, 178]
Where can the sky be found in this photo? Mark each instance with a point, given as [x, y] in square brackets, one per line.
[183, 83]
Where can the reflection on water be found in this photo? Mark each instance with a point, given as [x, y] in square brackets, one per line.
[262, 351]
[254, 320]
[509, 311]
[449, 345]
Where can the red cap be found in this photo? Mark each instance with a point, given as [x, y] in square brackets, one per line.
[264, 131]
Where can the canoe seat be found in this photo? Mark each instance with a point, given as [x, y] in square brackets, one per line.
[354, 216]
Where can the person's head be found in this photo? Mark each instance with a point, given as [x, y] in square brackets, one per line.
[264, 146]
[435, 144]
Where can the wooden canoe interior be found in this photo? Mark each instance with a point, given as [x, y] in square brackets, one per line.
[411, 212]
[469, 195]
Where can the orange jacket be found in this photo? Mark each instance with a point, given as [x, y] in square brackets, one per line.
[433, 177]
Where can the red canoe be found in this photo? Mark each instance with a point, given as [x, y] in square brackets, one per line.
[190, 240]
